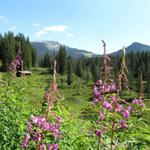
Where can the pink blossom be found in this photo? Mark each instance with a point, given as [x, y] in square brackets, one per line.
[122, 122]
[129, 108]
[113, 98]
[99, 82]
[40, 147]
[26, 141]
[142, 104]
[98, 95]
[37, 137]
[98, 133]
[118, 108]
[126, 113]
[135, 101]
[101, 116]
[52, 146]
[107, 105]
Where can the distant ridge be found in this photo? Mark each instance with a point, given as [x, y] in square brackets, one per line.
[134, 47]
[52, 46]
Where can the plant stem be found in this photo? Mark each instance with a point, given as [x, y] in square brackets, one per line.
[112, 137]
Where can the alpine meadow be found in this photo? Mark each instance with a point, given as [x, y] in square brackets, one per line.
[63, 83]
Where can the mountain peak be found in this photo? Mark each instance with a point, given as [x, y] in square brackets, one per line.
[134, 47]
[136, 43]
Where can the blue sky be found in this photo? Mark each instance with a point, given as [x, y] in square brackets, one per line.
[79, 23]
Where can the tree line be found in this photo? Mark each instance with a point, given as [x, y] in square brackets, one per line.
[89, 69]
[9, 46]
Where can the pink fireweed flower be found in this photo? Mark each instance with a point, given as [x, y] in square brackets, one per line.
[102, 88]
[126, 113]
[38, 120]
[129, 108]
[52, 146]
[107, 105]
[138, 102]
[98, 133]
[142, 104]
[40, 147]
[99, 82]
[118, 108]
[95, 88]
[98, 95]
[54, 129]
[101, 116]
[108, 88]
[34, 119]
[113, 98]
[37, 137]
[45, 126]
[135, 101]
[26, 141]
[97, 122]
[30, 126]
[122, 123]
[113, 87]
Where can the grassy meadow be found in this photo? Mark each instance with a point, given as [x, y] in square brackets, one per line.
[25, 96]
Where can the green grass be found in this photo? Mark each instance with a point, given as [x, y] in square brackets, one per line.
[77, 97]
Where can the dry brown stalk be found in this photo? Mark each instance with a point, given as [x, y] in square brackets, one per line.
[52, 95]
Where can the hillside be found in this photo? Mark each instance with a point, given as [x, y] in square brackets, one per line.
[52, 46]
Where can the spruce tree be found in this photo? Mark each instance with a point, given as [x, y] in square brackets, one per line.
[79, 70]
[61, 60]
[69, 71]
[34, 57]
[8, 50]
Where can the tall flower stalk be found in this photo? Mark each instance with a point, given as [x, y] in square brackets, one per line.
[16, 63]
[52, 95]
[122, 75]
[44, 131]
[114, 112]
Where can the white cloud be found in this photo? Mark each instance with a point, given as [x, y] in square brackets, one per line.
[3, 19]
[13, 28]
[56, 28]
[39, 33]
[59, 28]
[70, 35]
[35, 24]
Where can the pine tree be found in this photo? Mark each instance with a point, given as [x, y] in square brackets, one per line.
[8, 50]
[79, 70]
[95, 71]
[62, 60]
[1, 41]
[34, 57]
[69, 71]
[46, 60]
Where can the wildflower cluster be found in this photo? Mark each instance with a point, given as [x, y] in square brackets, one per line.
[45, 130]
[114, 113]
[39, 129]
[109, 103]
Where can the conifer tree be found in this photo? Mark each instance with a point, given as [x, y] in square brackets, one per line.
[69, 71]
[62, 60]
[8, 50]
[79, 70]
